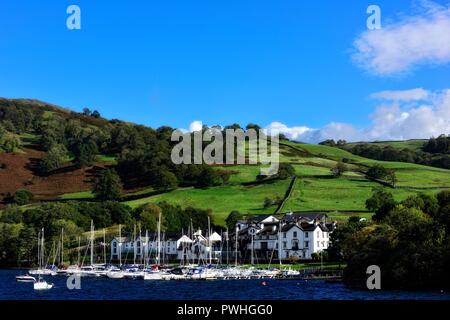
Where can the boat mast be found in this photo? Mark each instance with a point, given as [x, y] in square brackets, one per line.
[221, 246]
[134, 245]
[104, 245]
[209, 238]
[236, 247]
[279, 243]
[191, 236]
[141, 245]
[120, 245]
[92, 242]
[62, 246]
[252, 258]
[39, 249]
[79, 250]
[146, 249]
[158, 257]
[55, 252]
[228, 255]
[42, 248]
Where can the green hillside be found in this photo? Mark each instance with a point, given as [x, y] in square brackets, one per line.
[315, 190]
[141, 154]
[413, 144]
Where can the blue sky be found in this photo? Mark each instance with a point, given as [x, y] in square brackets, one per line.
[172, 62]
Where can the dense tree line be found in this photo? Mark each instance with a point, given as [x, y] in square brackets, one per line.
[435, 152]
[19, 228]
[440, 144]
[143, 153]
[408, 240]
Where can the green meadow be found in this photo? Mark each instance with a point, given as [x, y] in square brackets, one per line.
[316, 189]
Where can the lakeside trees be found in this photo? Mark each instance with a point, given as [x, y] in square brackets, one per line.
[19, 228]
[408, 240]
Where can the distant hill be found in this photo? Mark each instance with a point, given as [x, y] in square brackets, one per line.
[314, 189]
[413, 144]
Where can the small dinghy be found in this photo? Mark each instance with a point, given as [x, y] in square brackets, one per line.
[41, 284]
[25, 278]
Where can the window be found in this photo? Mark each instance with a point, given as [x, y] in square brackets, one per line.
[323, 234]
[318, 243]
[284, 244]
[295, 246]
[318, 234]
[284, 234]
[306, 244]
[295, 234]
[306, 234]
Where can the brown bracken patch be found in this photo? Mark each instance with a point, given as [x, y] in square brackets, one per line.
[18, 171]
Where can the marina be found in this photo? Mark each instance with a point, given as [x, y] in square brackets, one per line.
[101, 288]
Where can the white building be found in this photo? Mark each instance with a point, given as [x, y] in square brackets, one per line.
[174, 246]
[264, 237]
[295, 236]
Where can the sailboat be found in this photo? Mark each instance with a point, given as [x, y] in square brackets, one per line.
[74, 269]
[42, 269]
[93, 270]
[114, 272]
[40, 283]
[155, 273]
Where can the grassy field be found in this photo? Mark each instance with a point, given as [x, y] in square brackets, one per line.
[414, 144]
[223, 200]
[316, 188]
[106, 159]
[77, 195]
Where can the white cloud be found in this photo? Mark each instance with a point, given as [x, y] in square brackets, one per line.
[396, 48]
[402, 95]
[195, 126]
[291, 132]
[404, 114]
[397, 119]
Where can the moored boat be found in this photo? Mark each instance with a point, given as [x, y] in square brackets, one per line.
[41, 284]
[25, 278]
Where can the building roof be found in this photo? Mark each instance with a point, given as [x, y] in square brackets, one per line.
[259, 218]
[288, 227]
[185, 239]
[295, 216]
[268, 231]
[215, 237]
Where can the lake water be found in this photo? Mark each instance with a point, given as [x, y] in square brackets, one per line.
[104, 288]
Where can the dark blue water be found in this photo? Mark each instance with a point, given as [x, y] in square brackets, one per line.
[103, 288]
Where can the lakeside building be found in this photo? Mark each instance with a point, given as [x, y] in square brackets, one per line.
[193, 248]
[259, 239]
[294, 236]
